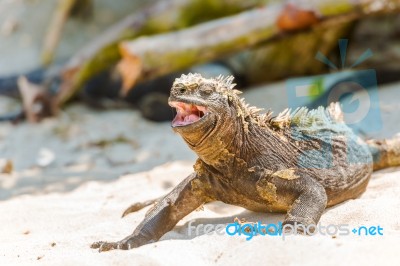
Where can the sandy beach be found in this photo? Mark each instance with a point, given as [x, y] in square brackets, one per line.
[74, 175]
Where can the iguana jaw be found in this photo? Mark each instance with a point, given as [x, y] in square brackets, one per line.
[188, 114]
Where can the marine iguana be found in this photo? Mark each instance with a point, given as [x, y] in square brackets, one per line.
[298, 162]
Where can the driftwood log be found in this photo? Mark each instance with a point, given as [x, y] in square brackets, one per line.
[152, 56]
[219, 37]
[161, 16]
[55, 28]
[64, 9]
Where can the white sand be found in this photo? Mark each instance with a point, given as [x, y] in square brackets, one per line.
[79, 197]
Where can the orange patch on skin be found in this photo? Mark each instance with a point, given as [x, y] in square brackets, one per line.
[287, 174]
[293, 18]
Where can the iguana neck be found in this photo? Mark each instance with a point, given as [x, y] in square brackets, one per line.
[236, 142]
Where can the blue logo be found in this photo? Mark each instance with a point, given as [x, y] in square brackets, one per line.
[250, 230]
[355, 90]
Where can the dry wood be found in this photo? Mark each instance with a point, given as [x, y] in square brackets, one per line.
[162, 16]
[54, 31]
[149, 57]
[36, 101]
[153, 56]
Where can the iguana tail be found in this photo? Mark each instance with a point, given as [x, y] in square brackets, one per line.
[386, 153]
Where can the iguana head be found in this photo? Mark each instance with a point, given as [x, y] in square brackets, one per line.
[202, 105]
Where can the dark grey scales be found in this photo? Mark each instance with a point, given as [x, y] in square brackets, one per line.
[260, 162]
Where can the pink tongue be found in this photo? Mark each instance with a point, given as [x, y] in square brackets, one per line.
[191, 118]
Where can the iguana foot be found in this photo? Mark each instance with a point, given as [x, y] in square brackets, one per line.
[123, 244]
[105, 246]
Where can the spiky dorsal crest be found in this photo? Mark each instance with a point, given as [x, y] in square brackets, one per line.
[300, 117]
[190, 81]
[221, 83]
[309, 120]
[225, 82]
[335, 111]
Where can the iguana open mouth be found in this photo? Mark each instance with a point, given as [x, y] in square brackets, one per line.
[187, 113]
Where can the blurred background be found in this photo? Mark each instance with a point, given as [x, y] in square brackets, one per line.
[85, 125]
[84, 84]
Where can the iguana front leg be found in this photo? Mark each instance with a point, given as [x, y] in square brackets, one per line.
[304, 197]
[182, 200]
[308, 207]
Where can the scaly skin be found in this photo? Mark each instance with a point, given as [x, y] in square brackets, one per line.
[298, 163]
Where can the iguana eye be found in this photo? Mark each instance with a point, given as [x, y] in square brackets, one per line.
[206, 90]
[180, 88]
